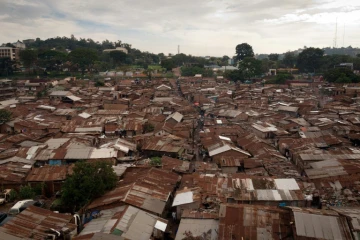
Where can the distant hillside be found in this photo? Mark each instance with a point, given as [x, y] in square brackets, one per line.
[350, 51]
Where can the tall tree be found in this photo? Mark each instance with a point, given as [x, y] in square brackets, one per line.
[244, 50]
[119, 57]
[250, 67]
[273, 56]
[83, 57]
[310, 59]
[89, 180]
[289, 60]
[168, 64]
[28, 57]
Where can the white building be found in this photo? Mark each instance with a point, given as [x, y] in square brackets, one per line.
[122, 49]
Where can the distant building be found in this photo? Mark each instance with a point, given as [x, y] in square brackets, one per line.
[28, 41]
[7, 90]
[122, 49]
[10, 52]
[19, 44]
[345, 65]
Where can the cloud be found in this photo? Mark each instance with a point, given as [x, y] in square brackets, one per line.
[201, 27]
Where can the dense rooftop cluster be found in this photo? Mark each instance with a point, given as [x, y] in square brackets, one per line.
[196, 158]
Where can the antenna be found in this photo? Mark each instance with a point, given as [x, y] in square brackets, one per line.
[178, 49]
[335, 38]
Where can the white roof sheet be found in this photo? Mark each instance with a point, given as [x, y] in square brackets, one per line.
[286, 184]
[84, 115]
[103, 153]
[74, 98]
[183, 198]
[160, 225]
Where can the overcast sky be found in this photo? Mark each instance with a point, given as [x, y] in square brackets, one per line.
[200, 27]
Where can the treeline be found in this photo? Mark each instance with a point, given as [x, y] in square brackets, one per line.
[312, 61]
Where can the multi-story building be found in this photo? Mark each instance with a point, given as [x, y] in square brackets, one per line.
[7, 90]
[12, 53]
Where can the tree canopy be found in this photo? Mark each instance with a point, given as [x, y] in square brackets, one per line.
[119, 57]
[5, 116]
[250, 67]
[28, 57]
[341, 75]
[83, 57]
[89, 180]
[310, 59]
[244, 50]
[273, 56]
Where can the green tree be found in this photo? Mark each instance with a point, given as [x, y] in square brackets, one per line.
[310, 59]
[88, 181]
[289, 60]
[243, 51]
[334, 74]
[234, 75]
[168, 64]
[155, 161]
[83, 57]
[5, 116]
[26, 192]
[28, 57]
[119, 57]
[273, 57]
[250, 67]
[99, 83]
[6, 66]
[343, 79]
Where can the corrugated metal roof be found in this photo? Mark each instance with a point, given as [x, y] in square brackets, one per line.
[183, 198]
[198, 227]
[319, 226]
[55, 143]
[78, 153]
[286, 184]
[103, 153]
[34, 223]
[253, 222]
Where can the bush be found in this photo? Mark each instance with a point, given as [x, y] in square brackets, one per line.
[155, 161]
[13, 195]
[26, 192]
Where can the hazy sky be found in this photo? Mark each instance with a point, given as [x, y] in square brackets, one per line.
[200, 27]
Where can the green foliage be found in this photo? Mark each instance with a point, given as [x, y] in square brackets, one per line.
[5, 115]
[84, 58]
[148, 127]
[6, 66]
[280, 79]
[88, 181]
[192, 71]
[289, 60]
[99, 83]
[273, 57]
[310, 59]
[28, 57]
[250, 67]
[243, 51]
[119, 57]
[38, 189]
[234, 75]
[26, 192]
[343, 79]
[168, 64]
[155, 161]
[341, 75]
[13, 195]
